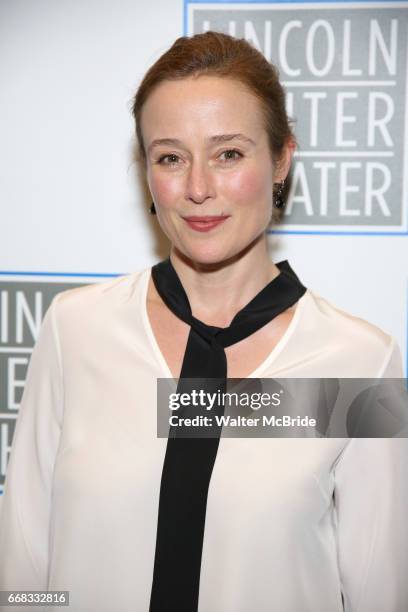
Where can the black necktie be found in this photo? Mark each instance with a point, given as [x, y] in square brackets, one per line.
[189, 462]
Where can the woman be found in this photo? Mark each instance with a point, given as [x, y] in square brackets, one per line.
[97, 504]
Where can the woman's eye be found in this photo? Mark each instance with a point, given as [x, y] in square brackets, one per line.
[231, 154]
[172, 159]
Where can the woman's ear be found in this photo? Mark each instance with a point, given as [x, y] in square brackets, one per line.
[285, 161]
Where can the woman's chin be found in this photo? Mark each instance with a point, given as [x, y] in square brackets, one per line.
[218, 255]
[219, 251]
[205, 255]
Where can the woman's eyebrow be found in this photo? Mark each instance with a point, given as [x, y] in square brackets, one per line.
[228, 137]
[218, 138]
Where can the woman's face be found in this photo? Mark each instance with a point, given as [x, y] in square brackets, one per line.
[208, 156]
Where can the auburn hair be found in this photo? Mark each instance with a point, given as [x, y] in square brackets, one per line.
[217, 54]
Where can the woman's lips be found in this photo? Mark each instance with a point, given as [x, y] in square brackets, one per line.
[204, 224]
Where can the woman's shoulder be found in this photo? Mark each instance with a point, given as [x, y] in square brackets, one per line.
[333, 317]
[89, 318]
[98, 310]
[100, 293]
[343, 333]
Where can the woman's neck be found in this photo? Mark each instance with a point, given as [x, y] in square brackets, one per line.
[217, 292]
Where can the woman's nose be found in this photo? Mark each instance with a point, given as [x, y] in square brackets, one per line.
[199, 183]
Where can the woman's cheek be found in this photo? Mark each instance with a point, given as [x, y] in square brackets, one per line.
[166, 190]
[248, 187]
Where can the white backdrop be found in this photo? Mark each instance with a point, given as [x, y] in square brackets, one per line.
[73, 205]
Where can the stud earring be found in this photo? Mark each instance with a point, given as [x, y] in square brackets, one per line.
[152, 209]
[279, 201]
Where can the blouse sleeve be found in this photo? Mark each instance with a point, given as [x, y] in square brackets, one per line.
[26, 504]
[370, 510]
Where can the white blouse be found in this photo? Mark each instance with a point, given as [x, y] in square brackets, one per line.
[292, 525]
